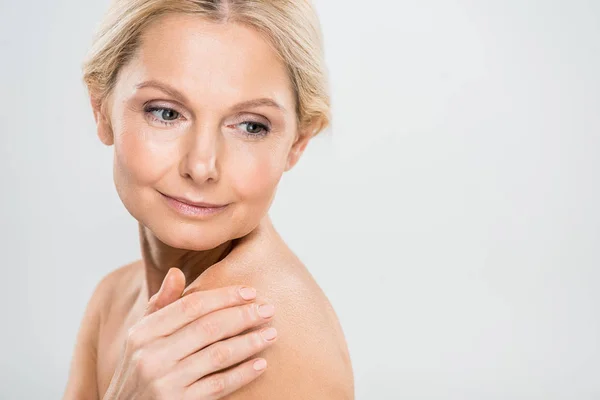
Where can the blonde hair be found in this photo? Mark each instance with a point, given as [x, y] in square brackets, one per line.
[291, 26]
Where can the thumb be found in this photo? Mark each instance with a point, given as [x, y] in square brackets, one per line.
[170, 290]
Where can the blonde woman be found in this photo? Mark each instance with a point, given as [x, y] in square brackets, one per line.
[206, 104]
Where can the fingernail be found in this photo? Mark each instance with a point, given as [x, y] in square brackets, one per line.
[259, 365]
[266, 310]
[247, 293]
[269, 334]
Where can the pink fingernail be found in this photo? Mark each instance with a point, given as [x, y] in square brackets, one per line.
[259, 365]
[266, 310]
[269, 334]
[247, 293]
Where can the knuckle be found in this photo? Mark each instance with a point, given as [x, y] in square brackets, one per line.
[134, 338]
[256, 341]
[236, 378]
[190, 305]
[208, 328]
[248, 313]
[159, 389]
[216, 385]
[146, 365]
[219, 355]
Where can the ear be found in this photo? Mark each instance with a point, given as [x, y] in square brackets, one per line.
[302, 139]
[103, 126]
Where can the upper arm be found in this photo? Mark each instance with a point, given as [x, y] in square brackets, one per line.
[293, 373]
[82, 381]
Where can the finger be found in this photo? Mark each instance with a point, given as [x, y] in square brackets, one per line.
[170, 290]
[221, 355]
[189, 308]
[213, 327]
[221, 384]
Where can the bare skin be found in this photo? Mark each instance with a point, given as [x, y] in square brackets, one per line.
[310, 346]
[221, 149]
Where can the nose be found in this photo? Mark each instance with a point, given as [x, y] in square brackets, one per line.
[199, 162]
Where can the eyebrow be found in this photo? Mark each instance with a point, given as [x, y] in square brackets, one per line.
[171, 91]
[163, 87]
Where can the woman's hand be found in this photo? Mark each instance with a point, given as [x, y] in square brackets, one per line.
[171, 351]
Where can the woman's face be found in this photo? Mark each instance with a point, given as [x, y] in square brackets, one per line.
[204, 125]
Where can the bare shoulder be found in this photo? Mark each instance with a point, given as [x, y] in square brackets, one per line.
[82, 380]
[124, 280]
[310, 358]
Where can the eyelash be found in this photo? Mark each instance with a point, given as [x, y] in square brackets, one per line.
[150, 109]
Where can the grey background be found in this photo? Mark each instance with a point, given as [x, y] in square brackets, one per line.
[450, 214]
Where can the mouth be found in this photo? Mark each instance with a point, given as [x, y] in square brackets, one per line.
[192, 208]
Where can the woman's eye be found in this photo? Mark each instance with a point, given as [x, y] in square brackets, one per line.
[163, 114]
[254, 128]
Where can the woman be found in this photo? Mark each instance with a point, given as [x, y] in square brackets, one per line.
[207, 103]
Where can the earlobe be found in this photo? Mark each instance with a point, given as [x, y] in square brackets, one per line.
[304, 136]
[103, 127]
[105, 132]
[297, 150]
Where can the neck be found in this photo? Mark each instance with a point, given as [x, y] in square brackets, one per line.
[159, 257]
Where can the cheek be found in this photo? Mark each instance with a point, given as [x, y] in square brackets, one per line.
[257, 173]
[141, 156]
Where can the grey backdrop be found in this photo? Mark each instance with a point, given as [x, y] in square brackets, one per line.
[450, 214]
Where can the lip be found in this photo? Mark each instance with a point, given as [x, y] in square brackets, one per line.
[193, 208]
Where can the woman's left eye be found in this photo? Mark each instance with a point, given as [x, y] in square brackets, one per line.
[254, 128]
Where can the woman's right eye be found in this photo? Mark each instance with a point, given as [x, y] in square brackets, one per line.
[163, 115]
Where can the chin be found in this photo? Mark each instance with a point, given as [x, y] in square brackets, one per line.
[193, 239]
[197, 235]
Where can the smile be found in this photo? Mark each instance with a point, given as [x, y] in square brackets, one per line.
[192, 209]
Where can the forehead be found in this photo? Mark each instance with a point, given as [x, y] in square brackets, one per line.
[215, 62]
